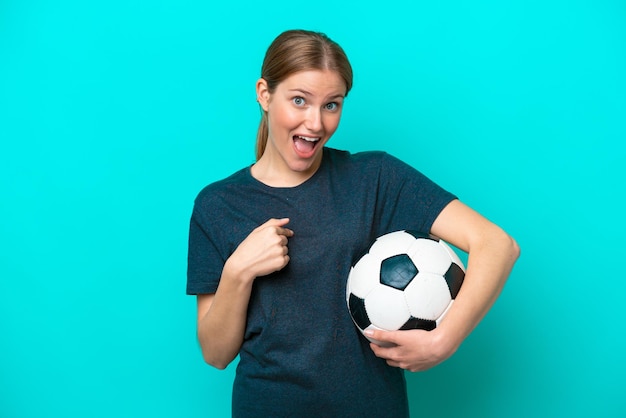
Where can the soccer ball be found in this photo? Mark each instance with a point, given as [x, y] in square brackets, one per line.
[407, 280]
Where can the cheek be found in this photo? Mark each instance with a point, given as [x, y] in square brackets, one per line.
[331, 123]
[283, 119]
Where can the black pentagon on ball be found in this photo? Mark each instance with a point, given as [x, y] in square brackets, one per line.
[397, 271]
[417, 323]
[357, 309]
[454, 277]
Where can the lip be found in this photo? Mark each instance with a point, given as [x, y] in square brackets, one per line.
[315, 140]
[309, 138]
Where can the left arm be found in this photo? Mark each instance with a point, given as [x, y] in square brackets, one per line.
[492, 253]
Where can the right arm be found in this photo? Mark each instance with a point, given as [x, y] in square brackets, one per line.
[222, 315]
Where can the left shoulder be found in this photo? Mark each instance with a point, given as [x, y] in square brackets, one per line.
[379, 164]
[361, 159]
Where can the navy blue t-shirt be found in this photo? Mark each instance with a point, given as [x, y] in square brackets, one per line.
[302, 355]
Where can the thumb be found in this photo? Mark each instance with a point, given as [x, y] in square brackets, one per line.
[381, 337]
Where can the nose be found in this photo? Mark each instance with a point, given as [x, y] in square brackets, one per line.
[313, 121]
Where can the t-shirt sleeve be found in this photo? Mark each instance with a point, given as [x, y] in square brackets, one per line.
[204, 262]
[408, 199]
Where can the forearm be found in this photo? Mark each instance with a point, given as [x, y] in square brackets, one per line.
[221, 328]
[489, 264]
[222, 316]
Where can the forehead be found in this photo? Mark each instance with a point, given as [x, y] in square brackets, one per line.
[315, 82]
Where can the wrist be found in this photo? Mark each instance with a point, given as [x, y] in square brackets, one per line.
[446, 341]
[234, 273]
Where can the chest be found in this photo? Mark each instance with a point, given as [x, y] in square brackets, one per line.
[329, 224]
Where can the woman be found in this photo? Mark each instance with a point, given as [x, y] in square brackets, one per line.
[271, 246]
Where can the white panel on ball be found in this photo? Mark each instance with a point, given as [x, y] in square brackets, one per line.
[427, 296]
[391, 244]
[366, 279]
[429, 256]
[387, 308]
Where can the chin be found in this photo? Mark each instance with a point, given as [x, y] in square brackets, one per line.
[308, 166]
[302, 166]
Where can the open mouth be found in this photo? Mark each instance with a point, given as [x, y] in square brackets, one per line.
[305, 145]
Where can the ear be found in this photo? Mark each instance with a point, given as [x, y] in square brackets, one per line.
[262, 93]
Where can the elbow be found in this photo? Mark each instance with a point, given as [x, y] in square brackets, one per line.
[217, 365]
[514, 249]
[216, 352]
[510, 248]
[219, 362]
[501, 245]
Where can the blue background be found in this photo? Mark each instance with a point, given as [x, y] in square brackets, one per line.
[113, 115]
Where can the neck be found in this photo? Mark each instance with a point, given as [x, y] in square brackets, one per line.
[271, 174]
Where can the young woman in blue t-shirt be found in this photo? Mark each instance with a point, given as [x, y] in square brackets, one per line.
[243, 269]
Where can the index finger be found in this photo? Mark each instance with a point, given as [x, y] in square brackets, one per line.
[279, 226]
[284, 231]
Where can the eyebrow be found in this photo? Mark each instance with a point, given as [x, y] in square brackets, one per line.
[307, 93]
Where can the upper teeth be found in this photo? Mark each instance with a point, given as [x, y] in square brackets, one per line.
[308, 139]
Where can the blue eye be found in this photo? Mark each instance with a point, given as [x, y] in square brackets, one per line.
[298, 101]
[332, 106]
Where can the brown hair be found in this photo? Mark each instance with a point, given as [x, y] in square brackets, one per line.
[299, 50]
